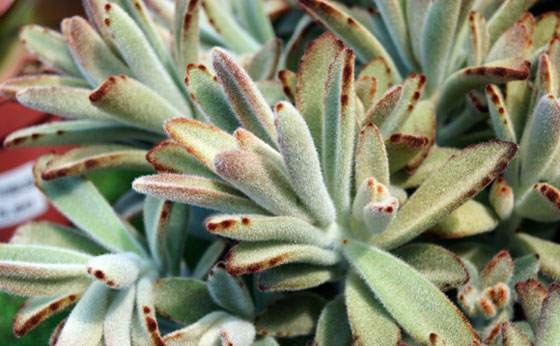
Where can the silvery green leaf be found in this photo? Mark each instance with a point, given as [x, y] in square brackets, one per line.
[302, 163]
[234, 331]
[547, 251]
[525, 268]
[12, 86]
[50, 234]
[187, 32]
[36, 310]
[473, 168]
[541, 202]
[502, 198]
[95, 12]
[83, 160]
[248, 257]
[339, 129]
[296, 277]
[384, 106]
[479, 39]
[378, 215]
[366, 90]
[49, 46]
[515, 42]
[208, 258]
[505, 16]
[192, 334]
[289, 317]
[165, 227]
[131, 102]
[437, 157]
[501, 121]
[370, 323]
[244, 97]
[115, 270]
[230, 292]
[498, 269]
[353, 33]
[461, 82]
[171, 157]
[223, 21]
[377, 68]
[143, 61]
[272, 90]
[264, 63]
[182, 300]
[76, 132]
[403, 148]
[68, 102]
[546, 80]
[548, 331]
[85, 323]
[261, 181]
[203, 141]
[469, 219]
[416, 12]
[546, 28]
[439, 265]
[264, 228]
[371, 156]
[332, 327]
[415, 303]
[208, 95]
[530, 295]
[541, 140]
[255, 19]
[199, 191]
[393, 14]
[118, 320]
[313, 72]
[93, 56]
[98, 220]
[438, 35]
[513, 336]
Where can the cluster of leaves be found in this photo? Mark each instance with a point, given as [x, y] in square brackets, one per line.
[331, 189]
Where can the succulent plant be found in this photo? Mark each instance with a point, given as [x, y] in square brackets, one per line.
[344, 171]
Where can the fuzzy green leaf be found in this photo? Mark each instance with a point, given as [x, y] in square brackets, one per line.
[437, 157]
[548, 331]
[12, 86]
[248, 258]
[50, 48]
[171, 157]
[118, 320]
[541, 202]
[302, 163]
[371, 156]
[115, 270]
[265, 62]
[513, 336]
[230, 292]
[182, 300]
[255, 18]
[208, 258]
[94, 58]
[369, 321]
[469, 219]
[479, 41]
[332, 327]
[417, 305]
[462, 177]
[548, 252]
[505, 16]
[439, 265]
[208, 95]
[199, 191]
[501, 121]
[187, 32]
[530, 295]
[498, 269]
[289, 317]
[296, 277]
[244, 97]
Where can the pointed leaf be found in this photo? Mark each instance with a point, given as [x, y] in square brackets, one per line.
[501, 121]
[187, 33]
[248, 258]
[515, 42]
[498, 269]
[479, 42]
[402, 148]
[436, 158]
[474, 168]
[296, 277]
[547, 251]
[541, 202]
[289, 317]
[182, 300]
[513, 336]
[171, 157]
[505, 16]
[230, 292]
[405, 293]
[530, 295]
[197, 191]
[548, 331]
